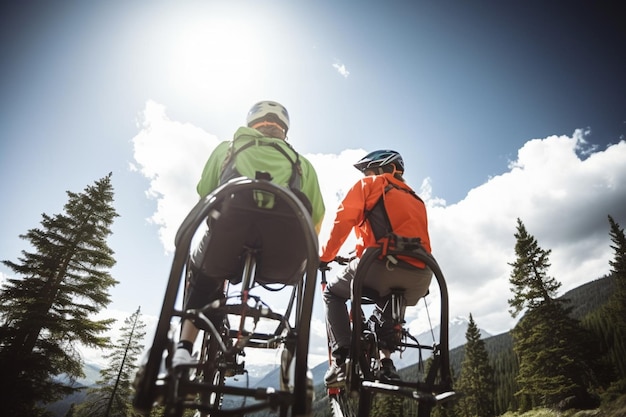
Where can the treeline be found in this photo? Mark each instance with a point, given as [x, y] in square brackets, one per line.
[588, 299]
[566, 352]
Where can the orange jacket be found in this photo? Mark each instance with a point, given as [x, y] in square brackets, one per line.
[410, 220]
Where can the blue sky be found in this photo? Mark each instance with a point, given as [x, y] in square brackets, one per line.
[500, 109]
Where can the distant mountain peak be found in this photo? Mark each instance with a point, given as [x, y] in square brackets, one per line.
[459, 320]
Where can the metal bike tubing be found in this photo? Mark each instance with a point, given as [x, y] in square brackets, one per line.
[367, 259]
[145, 394]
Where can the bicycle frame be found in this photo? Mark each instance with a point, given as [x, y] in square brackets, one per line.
[361, 379]
[152, 384]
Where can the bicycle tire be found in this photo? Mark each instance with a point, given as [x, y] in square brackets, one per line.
[211, 372]
[342, 404]
[303, 380]
[146, 392]
[367, 369]
[365, 349]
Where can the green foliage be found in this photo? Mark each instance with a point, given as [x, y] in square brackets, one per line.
[387, 406]
[587, 299]
[616, 307]
[476, 381]
[113, 394]
[530, 284]
[609, 322]
[554, 350]
[555, 353]
[45, 313]
[617, 304]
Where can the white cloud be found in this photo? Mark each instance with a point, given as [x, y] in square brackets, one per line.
[341, 69]
[336, 175]
[562, 199]
[171, 155]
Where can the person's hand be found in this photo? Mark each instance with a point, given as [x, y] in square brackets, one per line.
[323, 266]
[341, 260]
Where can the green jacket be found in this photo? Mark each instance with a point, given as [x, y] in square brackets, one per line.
[264, 159]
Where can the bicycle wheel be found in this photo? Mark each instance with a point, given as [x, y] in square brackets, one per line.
[303, 378]
[352, 401]
[342, 404]
[365, 350]
[367, 370]
[211, 373]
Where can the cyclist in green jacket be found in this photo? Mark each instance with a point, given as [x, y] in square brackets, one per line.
[259, 150]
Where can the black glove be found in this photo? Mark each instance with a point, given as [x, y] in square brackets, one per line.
[323, 266]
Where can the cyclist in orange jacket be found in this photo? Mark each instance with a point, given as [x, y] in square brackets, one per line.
[376, 205]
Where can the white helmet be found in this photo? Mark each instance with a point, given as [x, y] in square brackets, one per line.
[268, 111]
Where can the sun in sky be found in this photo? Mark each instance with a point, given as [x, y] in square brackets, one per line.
[221, 56]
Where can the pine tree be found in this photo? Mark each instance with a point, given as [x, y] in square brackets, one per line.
[553, 349]
[617, 303]
[112, 396]
[616, 306]
[531, 285]
[45, 313]
[387, 406]
[476, 381]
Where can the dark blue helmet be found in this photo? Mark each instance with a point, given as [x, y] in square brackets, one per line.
[380, 159]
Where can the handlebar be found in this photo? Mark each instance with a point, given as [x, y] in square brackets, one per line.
[323, 267]
[341, 260]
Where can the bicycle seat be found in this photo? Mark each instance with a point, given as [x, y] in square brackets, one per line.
[239, 225]
[382, 276]
[369, 295]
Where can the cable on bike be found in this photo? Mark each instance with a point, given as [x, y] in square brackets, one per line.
[430, 324]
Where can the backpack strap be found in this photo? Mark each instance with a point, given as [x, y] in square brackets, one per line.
[397, 187]
[228, 170]
[377, 215]
[295, 180]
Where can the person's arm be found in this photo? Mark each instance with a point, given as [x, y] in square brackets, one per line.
[311, 188]
[212, 170]
[349, 214]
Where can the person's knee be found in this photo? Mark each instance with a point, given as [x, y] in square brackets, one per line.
[202, 289]
[327, 295]
[330, 297]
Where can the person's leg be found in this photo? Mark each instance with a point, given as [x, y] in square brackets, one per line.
[197, 296]
[335, 295]
[386, 333]
[200, 290]
[338, 328]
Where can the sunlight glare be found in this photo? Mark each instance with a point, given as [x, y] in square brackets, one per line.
[219, 56]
